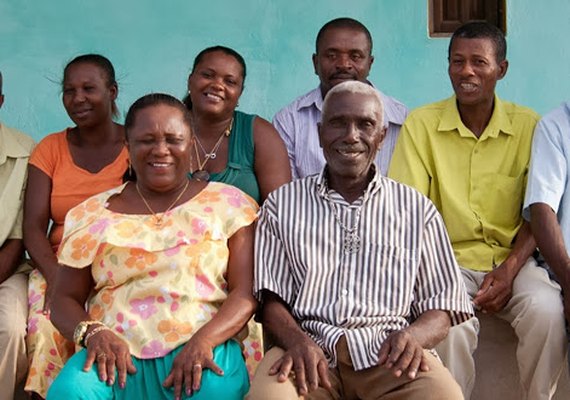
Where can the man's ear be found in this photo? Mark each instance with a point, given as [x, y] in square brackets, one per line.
[315, 63]
[1, 100]
[381, 137]
[503, 67]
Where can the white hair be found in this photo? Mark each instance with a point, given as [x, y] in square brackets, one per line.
[355, 87]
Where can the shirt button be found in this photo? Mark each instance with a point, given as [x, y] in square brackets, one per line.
[344, 292]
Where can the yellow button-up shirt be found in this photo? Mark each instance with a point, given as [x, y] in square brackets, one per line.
[15, 148]
[476, 184]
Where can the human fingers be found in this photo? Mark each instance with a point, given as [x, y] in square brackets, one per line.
[312, 373]
[384, 352]
[415, 363]
[101, 359]
[121, 364]
[91, 356]
[485, 285]
[498, 302]
[210, 364]
[131, 369]
[111, 362]
[196, 376]
[397, 347]
[424, 365]
[300, 378]
[484, 296]
[323, 370]
[284, 368]
[178, 380]
[401, 361]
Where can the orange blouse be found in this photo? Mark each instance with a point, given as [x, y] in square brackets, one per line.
[72, 184]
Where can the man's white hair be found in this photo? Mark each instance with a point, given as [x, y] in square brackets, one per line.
[355, 87]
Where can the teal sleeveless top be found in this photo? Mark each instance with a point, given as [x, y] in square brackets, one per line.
[239, 169]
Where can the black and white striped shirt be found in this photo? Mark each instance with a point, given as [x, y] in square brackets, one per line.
[405, 265]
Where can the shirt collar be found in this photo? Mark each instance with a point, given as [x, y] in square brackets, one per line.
[315, 99]
[374, 185]
[499, 122]
[9, 146]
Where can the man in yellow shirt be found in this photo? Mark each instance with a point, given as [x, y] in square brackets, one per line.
[15, 148]
[469, 154]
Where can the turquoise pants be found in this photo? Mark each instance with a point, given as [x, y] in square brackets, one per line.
[73, 383]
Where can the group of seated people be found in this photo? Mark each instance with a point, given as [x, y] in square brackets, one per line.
[200, 252]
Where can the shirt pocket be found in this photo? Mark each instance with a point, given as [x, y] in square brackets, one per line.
[502, 199]
[388, 278]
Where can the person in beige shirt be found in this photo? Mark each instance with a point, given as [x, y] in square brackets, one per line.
[15, 148]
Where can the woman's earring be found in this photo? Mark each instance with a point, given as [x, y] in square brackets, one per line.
[130, 169]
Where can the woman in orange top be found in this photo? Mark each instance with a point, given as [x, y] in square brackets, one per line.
[66, 168]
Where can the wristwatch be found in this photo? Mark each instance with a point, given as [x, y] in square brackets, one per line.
[80, 331]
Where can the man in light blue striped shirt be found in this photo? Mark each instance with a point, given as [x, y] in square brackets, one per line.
[355, 273]
[343, 52]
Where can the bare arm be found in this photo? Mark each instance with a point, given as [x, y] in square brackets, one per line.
[496, 289]
[10, 255]
[546, 229]
[232, 316]
[271, 164]
[302, 354]
[403, 350]
[36, 221]
[68, 308]
[68, 311]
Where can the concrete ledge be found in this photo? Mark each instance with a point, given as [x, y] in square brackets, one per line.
[496, 366]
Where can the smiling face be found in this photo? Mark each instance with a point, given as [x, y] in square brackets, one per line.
[159, 147]
[216, 84]
[87, 95]
[350, 134]
[474, 70]
[342, 54]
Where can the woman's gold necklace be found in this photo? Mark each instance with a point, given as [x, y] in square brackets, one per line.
[201, 174]
[158, 220]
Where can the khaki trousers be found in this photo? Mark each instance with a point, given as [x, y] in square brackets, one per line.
[536, 314]
[372, 383]
[13, 323]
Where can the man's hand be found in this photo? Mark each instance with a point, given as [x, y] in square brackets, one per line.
[496, 289]
[309, 365]
[402, 353]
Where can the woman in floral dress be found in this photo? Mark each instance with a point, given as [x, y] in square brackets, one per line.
[165, 264]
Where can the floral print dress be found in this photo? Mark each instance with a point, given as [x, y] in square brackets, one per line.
[156, 285]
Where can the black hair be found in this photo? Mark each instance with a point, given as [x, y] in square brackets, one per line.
[149, 100]
[344, 22]
[226, 50]
[154, 99]
[104, 64]
[482, 30]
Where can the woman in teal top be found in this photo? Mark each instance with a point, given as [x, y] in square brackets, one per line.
[230, 146]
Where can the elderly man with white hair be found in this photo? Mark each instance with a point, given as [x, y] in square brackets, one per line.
[355, 273]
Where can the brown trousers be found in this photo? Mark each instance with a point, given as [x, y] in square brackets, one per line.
[372, 383]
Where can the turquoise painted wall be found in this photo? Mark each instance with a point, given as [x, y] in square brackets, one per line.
[152, 45]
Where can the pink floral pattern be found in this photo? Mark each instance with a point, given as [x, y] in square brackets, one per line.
[143, 307]
[154, 349]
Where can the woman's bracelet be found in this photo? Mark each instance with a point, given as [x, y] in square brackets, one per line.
[81, 329]
[94, 332]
